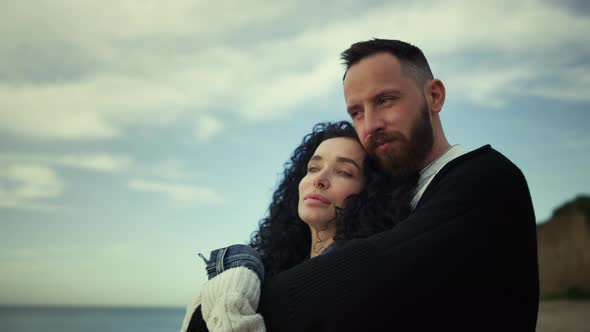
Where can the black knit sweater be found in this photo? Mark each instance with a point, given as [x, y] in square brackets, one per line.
[464, 260]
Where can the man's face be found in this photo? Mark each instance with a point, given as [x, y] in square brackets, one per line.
[389, 112]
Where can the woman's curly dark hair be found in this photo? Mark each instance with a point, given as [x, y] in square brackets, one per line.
[283, 240]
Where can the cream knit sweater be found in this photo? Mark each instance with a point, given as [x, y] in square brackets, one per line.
[229, 302]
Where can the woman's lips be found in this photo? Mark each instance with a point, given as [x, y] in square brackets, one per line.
[317, 198]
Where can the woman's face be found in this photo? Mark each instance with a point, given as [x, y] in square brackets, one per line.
[335, 172]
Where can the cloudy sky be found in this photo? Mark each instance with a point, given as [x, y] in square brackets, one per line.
[134, 134]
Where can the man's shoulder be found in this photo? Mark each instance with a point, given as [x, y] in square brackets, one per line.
[482, 160]
[483, 167]
[481, 175]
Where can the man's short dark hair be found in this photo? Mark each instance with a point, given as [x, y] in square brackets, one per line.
[412, 59]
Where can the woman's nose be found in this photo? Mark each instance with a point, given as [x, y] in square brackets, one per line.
[320, 182]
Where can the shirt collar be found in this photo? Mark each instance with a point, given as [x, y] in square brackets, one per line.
[428, 172]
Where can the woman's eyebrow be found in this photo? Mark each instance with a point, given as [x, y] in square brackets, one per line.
[347, 160]
[338, 159]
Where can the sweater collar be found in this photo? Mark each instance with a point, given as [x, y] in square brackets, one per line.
[428, 172]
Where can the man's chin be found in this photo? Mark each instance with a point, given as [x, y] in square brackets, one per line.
[394, 165]
[386, 155]
[384, 160]
[380, 157]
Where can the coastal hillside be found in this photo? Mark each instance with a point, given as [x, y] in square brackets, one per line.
[564, 250]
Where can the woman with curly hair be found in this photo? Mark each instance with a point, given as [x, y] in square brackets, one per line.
[330, 192]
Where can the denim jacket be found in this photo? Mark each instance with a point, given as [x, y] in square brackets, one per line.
[239, 255]
[234, 256]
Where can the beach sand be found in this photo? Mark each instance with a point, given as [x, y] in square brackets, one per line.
[564, 316]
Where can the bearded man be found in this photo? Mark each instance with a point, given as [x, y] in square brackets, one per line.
[466, 257]
[464, 260]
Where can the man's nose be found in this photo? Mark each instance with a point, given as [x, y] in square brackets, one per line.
[373, 122]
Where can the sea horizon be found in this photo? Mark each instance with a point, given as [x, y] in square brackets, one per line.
[90, 306]
[66, 318]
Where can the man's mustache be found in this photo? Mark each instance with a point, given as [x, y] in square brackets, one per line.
[382, 137]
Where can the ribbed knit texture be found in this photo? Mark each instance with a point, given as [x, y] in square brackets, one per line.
[190, 309]
[230, 300]
[464, 260]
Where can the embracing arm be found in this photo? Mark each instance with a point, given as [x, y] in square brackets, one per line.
[193, 318]
[228, 303]
[464, 260]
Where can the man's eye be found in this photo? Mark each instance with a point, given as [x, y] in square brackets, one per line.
[386, 100]
[353, 110]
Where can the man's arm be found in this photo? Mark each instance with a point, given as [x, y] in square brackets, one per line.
[464, 260]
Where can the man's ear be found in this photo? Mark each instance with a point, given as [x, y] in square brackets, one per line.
[435, 95]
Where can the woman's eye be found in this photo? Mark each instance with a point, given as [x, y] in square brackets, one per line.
[312, 169]
[344, 173]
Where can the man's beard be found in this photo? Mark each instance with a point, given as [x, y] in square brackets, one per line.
[404, 156]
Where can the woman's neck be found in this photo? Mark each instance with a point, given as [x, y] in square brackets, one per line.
[321, 238]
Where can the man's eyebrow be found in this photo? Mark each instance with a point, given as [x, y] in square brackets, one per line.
[350, 108]
[387, 92]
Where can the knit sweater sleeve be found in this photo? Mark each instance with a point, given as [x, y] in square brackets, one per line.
[192, 308]
[226, 303]
[230, 301]
[465, 260]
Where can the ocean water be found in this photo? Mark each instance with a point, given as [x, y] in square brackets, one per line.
[87, 319]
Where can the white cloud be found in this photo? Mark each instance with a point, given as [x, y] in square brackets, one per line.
[172, 170]
[178, 192]
[282, 94]
[97, 162]
[488, 87]
[26, 185]
[100, 162]
[571, 84]
[93, 74]
[207, 127]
